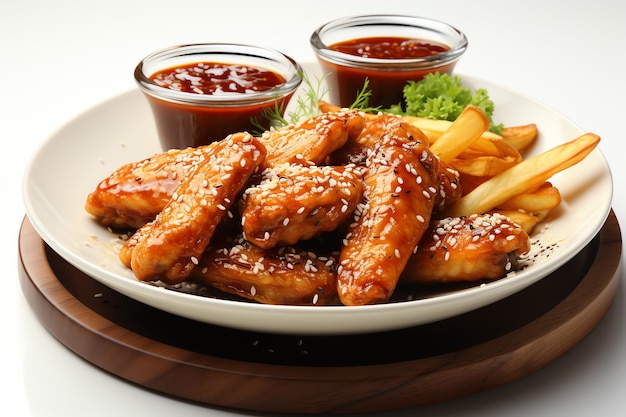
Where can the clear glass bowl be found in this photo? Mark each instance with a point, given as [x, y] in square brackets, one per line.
[186, 119]
[387, 76]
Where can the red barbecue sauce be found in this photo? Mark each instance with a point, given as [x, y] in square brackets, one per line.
[181, 125]
[385, 83]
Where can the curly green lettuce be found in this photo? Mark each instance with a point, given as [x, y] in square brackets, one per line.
[442, 97]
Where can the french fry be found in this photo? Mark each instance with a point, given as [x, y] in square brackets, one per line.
[466, 129]
[520, 137]
[527, 175]
[433, 129]
[546, 197]
[487, 163]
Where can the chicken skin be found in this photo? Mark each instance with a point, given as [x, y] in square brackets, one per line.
[471, 248]
[136, 192]
[280, 275]
[313, 139]
[294, 202]
[400, 188]
[168, 248]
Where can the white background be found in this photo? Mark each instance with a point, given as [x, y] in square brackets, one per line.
[59, 58]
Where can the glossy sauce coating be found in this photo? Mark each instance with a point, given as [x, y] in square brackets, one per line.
[400, 187]
[389, 47]
[182, 125]
[215, 78]
[385, 83]
[169, 247]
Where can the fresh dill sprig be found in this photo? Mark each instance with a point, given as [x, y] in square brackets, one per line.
[306, 105]
[361, 102]
[271, 115]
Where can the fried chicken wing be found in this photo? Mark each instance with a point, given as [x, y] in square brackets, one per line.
[281, 275]
[136, 192]
[295, 202]
[400, 188]
[356, 147]
[313, 139]
[476, 247]
[168, 248]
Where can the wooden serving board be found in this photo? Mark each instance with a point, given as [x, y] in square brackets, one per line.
[333, 374]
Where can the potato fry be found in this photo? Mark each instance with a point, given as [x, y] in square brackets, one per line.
[546, 197]
[482, 164]
[433, 129]
[527, 175]
[520, 137]
[466, 129]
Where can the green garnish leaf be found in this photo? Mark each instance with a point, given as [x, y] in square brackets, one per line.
[437, 96]
[306, 105]
[362, 99]
[440, 96]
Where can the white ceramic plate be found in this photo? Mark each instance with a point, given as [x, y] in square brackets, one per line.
[70, 164]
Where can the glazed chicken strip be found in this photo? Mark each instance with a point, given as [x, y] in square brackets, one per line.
[281, 275]
[356, 149]
[472, 248]
[400, 187]
[136, 192]
[168, 248]
[312, 140]
[295, 202]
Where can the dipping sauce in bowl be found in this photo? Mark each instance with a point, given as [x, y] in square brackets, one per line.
[201, 93]
[387, 50]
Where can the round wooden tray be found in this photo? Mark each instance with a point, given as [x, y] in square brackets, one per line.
[333, 374]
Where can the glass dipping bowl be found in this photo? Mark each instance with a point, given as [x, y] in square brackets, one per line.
[185, 119]
[387, 76]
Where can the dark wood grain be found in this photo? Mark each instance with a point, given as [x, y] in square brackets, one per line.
[311, 374]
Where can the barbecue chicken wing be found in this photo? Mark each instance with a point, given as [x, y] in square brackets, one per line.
[280, 275]
[168, 248]
[312, 140]
[136, 192]
[295, 202]
[400, 188]
[472, 248]
[356, 149]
